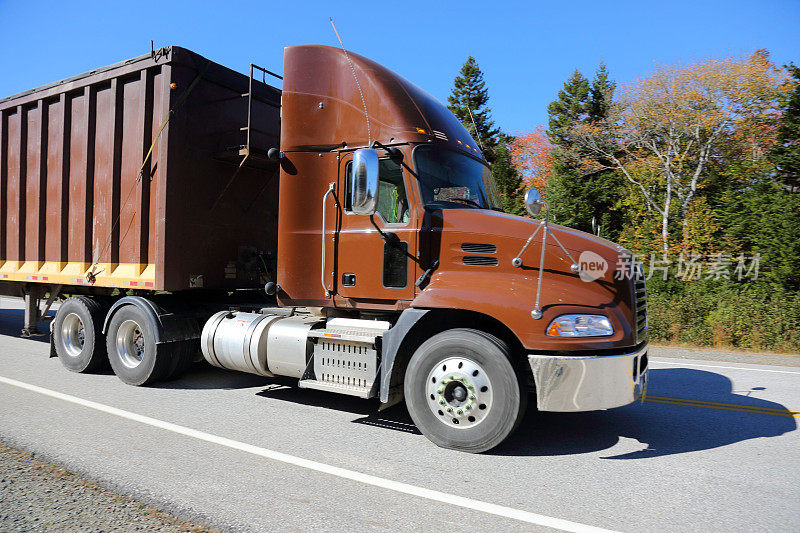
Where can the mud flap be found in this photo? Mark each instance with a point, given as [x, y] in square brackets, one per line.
[391, 386]
[52, 342]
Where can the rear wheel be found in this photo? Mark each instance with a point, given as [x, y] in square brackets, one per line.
[183, 359]
[462, 390]
[132, 351]
[77, 334]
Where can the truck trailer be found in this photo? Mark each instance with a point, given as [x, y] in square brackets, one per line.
[343, 230]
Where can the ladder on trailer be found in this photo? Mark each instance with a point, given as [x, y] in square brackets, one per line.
[249, 154]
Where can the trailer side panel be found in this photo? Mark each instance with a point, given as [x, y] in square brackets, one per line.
[128, 177]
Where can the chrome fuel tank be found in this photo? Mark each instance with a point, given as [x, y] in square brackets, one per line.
[263, 344]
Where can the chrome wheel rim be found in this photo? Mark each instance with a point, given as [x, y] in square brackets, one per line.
[73, 335]
[459, 392]
[130, 344]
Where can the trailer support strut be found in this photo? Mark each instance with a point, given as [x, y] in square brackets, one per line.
[32, 296]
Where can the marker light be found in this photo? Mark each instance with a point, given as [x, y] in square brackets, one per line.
[421, 130]
[580, 326]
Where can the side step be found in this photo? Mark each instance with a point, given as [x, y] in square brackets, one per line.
[361, 392]
[345, 358]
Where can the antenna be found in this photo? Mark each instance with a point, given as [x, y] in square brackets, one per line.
[477, 133]
[352, 68]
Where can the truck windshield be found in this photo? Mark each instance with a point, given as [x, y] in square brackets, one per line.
[450, 180]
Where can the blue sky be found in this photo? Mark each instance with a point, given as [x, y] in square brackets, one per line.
[526, 49]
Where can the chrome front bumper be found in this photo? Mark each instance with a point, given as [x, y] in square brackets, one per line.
[588, 383]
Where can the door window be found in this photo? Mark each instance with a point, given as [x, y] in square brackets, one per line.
[392, 198]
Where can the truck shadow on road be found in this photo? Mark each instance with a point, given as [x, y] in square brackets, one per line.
[12, 321]
[204, 376]
[396, 418]
[651, 429]
[660, 428]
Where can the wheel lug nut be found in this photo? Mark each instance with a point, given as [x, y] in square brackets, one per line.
[472, 397]
[449, 409]
[441, 402]
[440, 390]
[469, 407]
[461, 412]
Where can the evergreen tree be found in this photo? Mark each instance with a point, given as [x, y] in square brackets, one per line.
[602, 94]
[576, 198]
[786, 154]
[508, 180]
[572, 105]
[470, 94]
[765, 220]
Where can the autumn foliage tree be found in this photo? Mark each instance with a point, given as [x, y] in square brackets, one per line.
[663, 131]
[532, 154]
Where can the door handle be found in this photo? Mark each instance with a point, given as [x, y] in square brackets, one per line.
[324, 236]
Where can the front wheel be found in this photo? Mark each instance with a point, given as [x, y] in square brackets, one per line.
[462, 390]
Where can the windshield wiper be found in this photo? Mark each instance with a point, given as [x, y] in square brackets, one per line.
[466, 201]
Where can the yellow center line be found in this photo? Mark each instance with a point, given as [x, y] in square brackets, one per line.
[724, 406]
[705, 402]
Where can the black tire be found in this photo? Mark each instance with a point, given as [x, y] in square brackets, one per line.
[77, 335]
[501, 409]
[134, 356]
[183, 360]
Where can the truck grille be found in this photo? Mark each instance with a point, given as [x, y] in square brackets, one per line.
[640, 302]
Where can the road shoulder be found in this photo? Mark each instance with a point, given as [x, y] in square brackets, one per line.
[727, 356]
[40, 496]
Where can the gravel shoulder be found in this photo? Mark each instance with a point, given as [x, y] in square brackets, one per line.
[39, 496]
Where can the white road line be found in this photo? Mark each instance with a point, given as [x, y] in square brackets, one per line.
[421, 492]
[657, 362]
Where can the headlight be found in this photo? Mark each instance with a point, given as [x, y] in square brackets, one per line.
[580, 326]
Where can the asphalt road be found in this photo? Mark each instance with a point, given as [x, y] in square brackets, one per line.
[715, 448]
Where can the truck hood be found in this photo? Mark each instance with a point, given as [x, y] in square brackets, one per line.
[509, 233]
[476, 271]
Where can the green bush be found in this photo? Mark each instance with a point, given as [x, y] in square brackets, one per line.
[755, 316]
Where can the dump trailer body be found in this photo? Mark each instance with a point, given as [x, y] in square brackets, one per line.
[129, 177]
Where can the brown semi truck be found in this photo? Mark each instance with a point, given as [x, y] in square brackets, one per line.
[343, 230]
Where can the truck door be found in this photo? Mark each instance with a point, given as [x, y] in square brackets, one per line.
[369, 267]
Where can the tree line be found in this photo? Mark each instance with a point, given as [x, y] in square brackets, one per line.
[693, 166]
[692, 159]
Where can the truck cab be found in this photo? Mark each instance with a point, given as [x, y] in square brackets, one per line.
[433, 254]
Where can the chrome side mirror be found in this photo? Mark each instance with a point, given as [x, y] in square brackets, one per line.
[534, 203]
[364, 183]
